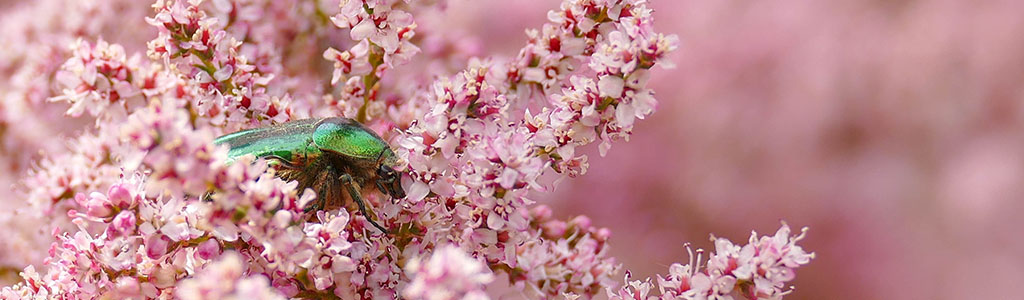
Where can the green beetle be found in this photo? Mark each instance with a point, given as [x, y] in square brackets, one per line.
[321, 154]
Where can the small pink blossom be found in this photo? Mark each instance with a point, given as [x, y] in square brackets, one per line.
[123, 224]
[208, 249]
[156, 246]
[224, 279]
[96, 204]
[448, 274]
[98, 76]
[351, 62]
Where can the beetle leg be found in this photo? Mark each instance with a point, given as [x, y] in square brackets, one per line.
[380, 187]
[353, 191]
[324, 185]
[321, 197]
[317, 177]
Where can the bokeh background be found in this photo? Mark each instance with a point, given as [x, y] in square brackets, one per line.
[893, 129]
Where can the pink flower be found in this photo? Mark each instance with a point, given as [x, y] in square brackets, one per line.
[208, 249]
[378, 22]
[224, 279]
[448, 274]
[98, 76]
[156, 246]
[121, 197]
[123, 224]
[351, 62]
[96, 204]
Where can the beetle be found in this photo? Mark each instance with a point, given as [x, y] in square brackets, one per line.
[325, 154]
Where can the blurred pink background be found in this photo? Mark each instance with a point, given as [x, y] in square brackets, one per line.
[893, 129]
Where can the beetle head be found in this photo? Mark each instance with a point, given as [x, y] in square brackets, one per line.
[388, 181]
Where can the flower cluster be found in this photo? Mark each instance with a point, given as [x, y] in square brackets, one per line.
[230, 89]
[176, 233]
[476, 146]
[757, 270]
[448, 274]
[382, 25]
[223, 279]
[570, 258]
[37, 37]
[383, 39]
[97, 76]
[143, 204]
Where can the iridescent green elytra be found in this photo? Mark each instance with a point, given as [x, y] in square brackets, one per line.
[322, 153]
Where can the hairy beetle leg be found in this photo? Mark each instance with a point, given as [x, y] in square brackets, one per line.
[324, 186]
[321, 198]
